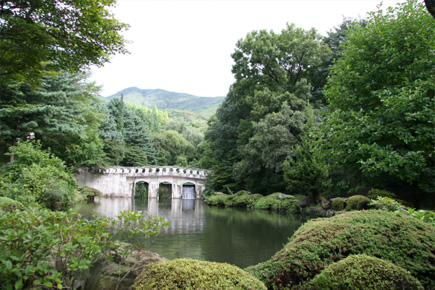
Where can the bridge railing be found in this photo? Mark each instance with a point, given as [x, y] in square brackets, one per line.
[158, 171]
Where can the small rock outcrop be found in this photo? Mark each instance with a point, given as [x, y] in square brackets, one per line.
[107, 273]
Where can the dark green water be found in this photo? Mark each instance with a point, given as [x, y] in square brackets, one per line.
[197, 231]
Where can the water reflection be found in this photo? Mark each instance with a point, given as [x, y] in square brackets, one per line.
[197, 231]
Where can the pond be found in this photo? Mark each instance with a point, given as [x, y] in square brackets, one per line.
[235, 236]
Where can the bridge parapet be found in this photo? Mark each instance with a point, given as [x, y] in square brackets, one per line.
[155, 170]
[159, 171]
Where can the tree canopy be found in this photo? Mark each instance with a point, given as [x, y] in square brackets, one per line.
[381, 93]
[47, 35]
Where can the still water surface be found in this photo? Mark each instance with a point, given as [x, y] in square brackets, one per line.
[197, 231]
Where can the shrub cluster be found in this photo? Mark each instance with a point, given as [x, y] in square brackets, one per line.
[337, 204]
[194, 274]
[356, 202]
[363, 272]
[50, 249]
[274, 203]
[403, 240]
[246, 200]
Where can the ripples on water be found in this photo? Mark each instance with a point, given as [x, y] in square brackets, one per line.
[197, 231]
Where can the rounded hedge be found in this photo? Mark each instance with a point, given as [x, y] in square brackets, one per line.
[402, 240]
[355, 201]
[363, 272]
[337, 204]
[194, 274]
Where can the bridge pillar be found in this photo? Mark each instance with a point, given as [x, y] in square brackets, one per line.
[153, 189]
[177, 190]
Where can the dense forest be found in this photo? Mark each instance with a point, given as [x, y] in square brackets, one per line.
[331, 115]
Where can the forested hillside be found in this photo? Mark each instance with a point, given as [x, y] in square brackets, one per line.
[205, 106]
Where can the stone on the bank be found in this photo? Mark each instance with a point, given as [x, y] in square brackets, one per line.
[282, 196]
[105, 274]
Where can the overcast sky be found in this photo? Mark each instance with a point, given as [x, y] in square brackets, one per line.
[186, 46]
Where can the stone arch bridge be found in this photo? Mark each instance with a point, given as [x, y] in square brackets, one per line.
[121, 181]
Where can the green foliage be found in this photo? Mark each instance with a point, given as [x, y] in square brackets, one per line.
[381, 96]
[37, 177]
[260, 122]
[374, 193]
[171, 146]
[193, 274]
[8, 204]
[406, 241]
[41, 36]
[49, 249]
[337, 204]
[89, 191]
[60, 113]
[305, 171]
[218, 200]
[338, 35]
[361, 272]
[423, 215]
[355, 201]
[273, 202]
[386, 203]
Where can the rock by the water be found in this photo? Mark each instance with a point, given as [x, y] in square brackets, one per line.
[105, 274]
[306, 201]
[282, 196]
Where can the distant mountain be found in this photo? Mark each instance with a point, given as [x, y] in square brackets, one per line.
[205, 106]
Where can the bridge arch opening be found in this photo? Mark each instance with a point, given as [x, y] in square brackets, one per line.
[188, 191]
[141, 189]
[165, 190]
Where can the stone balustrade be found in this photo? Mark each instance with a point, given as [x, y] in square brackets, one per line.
[155, 170]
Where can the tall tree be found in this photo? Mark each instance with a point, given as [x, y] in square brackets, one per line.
[47, 35]
[57, 113]
[270, 69]
[382, 99]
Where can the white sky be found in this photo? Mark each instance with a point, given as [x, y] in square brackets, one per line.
[186, 46]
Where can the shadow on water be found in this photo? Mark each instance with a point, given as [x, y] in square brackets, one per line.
[197, 231]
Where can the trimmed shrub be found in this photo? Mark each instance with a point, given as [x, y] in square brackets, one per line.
[403, 240]
[194, 274]
[246, 200]
[363, 272]
[272, 202]
[337, 204]
[218, 200]
[355, 202]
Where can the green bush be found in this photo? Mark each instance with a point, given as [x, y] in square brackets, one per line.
[8, 204]
[245, 200]
[37, 177]
[374, 193]
[406, 241]
[363, 272]
[272, 202]
[218, 200]
[386, 203]
[50, 249]
[355, 201]
[89, 191]
[337, 204]
[193, 274]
